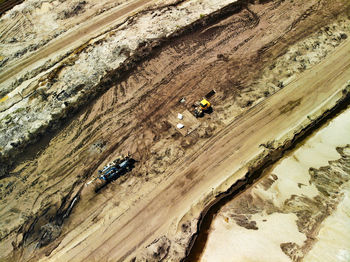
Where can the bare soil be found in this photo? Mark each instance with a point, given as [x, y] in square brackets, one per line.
[38, 196]
[75, 37]
[8, 4]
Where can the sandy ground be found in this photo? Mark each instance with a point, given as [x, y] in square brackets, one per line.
[36, 24]
[50, 87]
[333, 238]
[230, 151]
[298, 210]
[49, 178]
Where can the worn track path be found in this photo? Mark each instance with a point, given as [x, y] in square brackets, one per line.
[225, 155]
[76, 37]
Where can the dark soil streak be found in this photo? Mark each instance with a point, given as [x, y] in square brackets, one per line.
[8, 4]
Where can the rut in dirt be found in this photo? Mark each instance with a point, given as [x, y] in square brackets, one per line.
[36, 227]
[8, 4]
[120, 115]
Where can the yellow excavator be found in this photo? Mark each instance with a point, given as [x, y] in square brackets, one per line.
[201, 107]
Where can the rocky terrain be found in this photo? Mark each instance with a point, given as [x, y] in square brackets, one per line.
[73, 101]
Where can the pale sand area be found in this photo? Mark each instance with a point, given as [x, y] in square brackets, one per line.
[334, 237]
[228, 241]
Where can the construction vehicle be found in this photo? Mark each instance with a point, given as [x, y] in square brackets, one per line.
[201, 107]
[115, 169]
[204, 106]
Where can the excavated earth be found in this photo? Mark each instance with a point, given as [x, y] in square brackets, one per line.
[114, 94]
[298, 210]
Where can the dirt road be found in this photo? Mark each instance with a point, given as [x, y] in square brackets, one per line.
[225, 154]
[38, 193]
[76, 37]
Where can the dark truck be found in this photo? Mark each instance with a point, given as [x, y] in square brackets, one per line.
[116, 169]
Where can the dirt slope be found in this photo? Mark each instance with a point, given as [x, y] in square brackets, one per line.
[47, 92]
[222, 156]
[298, 210]
[75, 38]
[40, 192]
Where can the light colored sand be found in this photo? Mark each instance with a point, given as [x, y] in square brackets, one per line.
[235, 243]
[333, 241]
[316, 152]
[230, 242]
